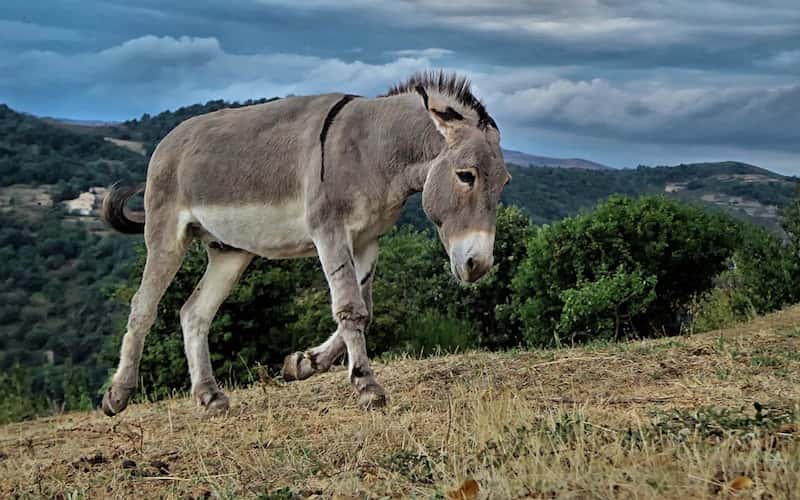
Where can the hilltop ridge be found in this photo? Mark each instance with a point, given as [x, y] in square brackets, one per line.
[526, 159]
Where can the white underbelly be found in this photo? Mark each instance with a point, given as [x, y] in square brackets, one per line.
[272, 231]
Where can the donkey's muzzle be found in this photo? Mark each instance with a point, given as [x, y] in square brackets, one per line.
[471, 256]
[475, 268]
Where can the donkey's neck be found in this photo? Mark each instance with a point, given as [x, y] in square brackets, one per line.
[409, 142]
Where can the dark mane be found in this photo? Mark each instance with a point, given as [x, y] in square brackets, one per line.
[451, 84]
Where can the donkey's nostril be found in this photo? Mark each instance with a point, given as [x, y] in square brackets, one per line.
[470, 264]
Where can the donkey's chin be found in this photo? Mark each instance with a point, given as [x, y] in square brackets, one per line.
[471, 270]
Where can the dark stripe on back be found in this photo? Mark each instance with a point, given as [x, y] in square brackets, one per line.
[326, 125]
[421, 91]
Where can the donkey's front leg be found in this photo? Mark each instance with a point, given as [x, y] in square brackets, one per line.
[302, 365]
[352, 316]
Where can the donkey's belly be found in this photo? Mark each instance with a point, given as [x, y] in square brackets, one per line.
[272, 231]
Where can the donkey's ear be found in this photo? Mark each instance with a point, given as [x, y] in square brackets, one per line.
[446, 119]
[493, 134]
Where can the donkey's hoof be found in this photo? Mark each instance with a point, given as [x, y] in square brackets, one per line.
[215, 403]
[372, 398]
[115, 400]
[297, 366]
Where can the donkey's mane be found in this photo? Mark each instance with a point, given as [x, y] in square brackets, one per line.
[450, 84]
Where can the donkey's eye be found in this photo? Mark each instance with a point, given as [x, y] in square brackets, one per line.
[466, 176]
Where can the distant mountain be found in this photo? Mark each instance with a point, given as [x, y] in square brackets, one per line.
[87, 123]
[744, 191]
[527, 160]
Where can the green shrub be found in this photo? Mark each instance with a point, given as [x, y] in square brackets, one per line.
[605, 306]
[18, 398]
[629, 266]
[720, 308]
[765, 271]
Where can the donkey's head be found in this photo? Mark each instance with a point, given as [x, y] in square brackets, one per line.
[465, 180]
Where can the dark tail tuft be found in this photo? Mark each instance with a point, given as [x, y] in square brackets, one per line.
[116, 215]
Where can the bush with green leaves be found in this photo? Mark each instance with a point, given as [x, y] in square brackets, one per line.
[18, 399]
[632, 266]
[607, 304]
[765, 274]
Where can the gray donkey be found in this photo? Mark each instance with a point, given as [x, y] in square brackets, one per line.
[322, 175]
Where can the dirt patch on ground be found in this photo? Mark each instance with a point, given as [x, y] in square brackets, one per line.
[135, 146]
[685, 417]
[21, 196]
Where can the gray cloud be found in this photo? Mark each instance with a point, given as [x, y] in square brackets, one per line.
[154, 73]
[785, 60]
[615, 23]
[430, 53]
[640, 75]
[18, 32]
[654, 112]
[166, 71]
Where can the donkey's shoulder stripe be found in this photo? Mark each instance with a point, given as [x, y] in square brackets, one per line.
[341, 103]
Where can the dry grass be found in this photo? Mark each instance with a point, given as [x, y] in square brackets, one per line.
[670, 418]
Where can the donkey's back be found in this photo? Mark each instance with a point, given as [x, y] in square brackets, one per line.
[260, 151]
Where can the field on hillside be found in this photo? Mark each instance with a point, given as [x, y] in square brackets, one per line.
[688, 417]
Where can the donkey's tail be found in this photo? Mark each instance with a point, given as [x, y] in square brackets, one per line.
[116, 215]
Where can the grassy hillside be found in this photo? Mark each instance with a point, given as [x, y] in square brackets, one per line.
[691, 417]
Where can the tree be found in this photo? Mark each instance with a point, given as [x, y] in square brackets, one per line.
[791, 224]
[630, 266]
[765, 276]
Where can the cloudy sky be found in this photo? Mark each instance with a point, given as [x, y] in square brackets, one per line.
[616, 81]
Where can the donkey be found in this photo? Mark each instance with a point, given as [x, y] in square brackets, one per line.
[322, 175]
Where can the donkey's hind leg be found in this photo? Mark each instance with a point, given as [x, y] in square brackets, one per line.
[225, 267]
[163, 261]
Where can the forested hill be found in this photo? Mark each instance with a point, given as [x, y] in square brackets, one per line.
[56, 269]
[148, 130]
[35, 152]
[746, 191]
